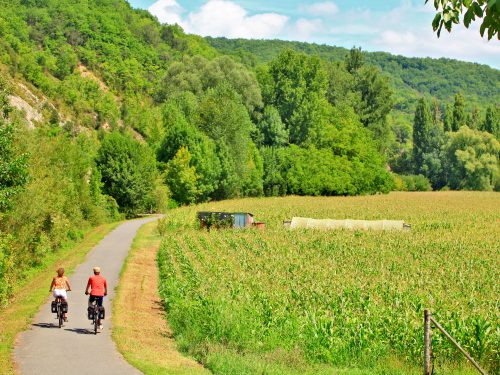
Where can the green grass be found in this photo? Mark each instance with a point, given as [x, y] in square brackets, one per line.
[32, 293]
[306, 301]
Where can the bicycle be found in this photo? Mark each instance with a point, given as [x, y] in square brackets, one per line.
[59, 307]
[95, 313]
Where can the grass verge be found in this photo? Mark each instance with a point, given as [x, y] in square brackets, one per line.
[33, 292]
[140, 330]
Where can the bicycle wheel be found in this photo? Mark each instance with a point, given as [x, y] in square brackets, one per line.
[59, 314]
[96, 319]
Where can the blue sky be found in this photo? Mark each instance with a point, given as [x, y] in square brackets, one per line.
[396, 26]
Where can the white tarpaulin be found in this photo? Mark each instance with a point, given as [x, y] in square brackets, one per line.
[302, 222]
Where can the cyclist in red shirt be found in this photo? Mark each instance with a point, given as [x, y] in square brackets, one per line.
[97, 288]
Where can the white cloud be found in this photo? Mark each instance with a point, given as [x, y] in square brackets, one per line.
[407, 30]
[323, 9]
[167, 11]
[462, 44]
[222, 18]
[305, 28]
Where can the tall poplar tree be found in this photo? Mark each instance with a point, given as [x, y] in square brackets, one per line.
[459, 117]
[447, 118]
[422, 133]
[491, 122]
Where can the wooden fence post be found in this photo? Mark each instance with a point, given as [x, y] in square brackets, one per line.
[427, 342]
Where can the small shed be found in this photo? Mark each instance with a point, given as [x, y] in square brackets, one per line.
[243, 219]
[238, 219]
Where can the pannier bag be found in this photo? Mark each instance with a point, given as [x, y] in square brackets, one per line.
[90, 313]
[64, 306]
[53, 306]
[101, 312]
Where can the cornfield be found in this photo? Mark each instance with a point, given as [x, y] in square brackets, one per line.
[281, 301]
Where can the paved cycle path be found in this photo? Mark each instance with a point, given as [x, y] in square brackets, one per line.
[74, 349]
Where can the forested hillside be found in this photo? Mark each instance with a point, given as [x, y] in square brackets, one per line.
[105, 113]
[410, 76]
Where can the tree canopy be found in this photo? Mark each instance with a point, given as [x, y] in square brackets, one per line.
[450, 12]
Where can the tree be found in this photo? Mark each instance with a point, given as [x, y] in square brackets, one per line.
[128, 171]
[436, 112]
[422, 127]
[355, 60]
[179, 132]
[197, 75]
[458, 119]
[254, 174]
[272, 128]
[447, 118]
[450, 11]
[321, 172]
[181, 177]
[473, 118]
[297, 89]
[376, 102]
[472, 158]
[340, 85]
[275, 167]
[224, 119]
[491, 122]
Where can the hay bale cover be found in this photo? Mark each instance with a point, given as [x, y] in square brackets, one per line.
[329, 224]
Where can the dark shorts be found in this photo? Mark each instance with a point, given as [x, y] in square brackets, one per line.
[98, 299]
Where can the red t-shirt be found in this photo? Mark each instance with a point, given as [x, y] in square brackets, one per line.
[98, 285]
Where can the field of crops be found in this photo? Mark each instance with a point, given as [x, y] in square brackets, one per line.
[306, 301]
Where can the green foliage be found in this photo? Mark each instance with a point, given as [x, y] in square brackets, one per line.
[422, 132]
[298, 86]
[214, 221]
[410, 77]
[272, 128]
[447, 118]
[181, 177]
[473, 160]
[179, 132]
[491, 122]
[450, 12]
[161, 198]
[322, 172]
[224, 118]
[376, 100]
[128, 171]
[198, 74]
[62, 197]
[355, 60]
[7, 263]
[276, 164]
[413, 183]
[459, 118]
[13, 163]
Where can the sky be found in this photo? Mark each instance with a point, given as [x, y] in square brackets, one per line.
[398, 26]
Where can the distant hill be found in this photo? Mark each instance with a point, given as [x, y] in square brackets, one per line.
[411, 76]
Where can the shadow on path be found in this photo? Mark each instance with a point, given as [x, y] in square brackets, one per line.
[81, 331]
[45, 325]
